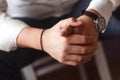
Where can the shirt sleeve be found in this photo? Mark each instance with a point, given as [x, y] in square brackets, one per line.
[9, 29]
[104, 7]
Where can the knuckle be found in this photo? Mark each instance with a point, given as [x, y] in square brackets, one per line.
[62, 60]
[74, 64]
[84, 39]
[82, 59]
[61, 21]
[84, 50]
[79, 59]
[65, 49]
[65, 41]
[62, 57]
[71, 19]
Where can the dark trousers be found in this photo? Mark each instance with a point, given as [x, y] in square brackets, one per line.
[12, 62]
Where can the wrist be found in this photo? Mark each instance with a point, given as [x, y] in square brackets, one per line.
[29, 37]
[41, 39]
[88, 22]
[99, 21]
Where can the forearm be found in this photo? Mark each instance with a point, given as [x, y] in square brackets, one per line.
[30, 37]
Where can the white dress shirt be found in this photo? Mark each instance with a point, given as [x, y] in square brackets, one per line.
[39, 9]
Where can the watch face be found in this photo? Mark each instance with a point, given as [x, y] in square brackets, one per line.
[101, 24]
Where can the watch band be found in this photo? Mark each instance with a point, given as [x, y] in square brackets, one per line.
[90, 14]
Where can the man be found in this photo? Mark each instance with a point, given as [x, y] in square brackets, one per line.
[71, 41]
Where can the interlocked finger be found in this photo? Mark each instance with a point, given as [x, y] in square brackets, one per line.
[80, 39]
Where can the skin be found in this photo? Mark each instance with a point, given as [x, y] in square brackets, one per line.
[71, 41]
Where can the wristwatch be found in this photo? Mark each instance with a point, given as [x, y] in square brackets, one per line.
[99, 21]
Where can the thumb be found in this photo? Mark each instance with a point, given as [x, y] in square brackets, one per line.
[73, 26]
[77, 28]
[66, 31]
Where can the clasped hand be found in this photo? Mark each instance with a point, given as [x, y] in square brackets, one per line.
[71, 41]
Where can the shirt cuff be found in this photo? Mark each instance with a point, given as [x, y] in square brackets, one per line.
[9, 31]
[104, 7]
